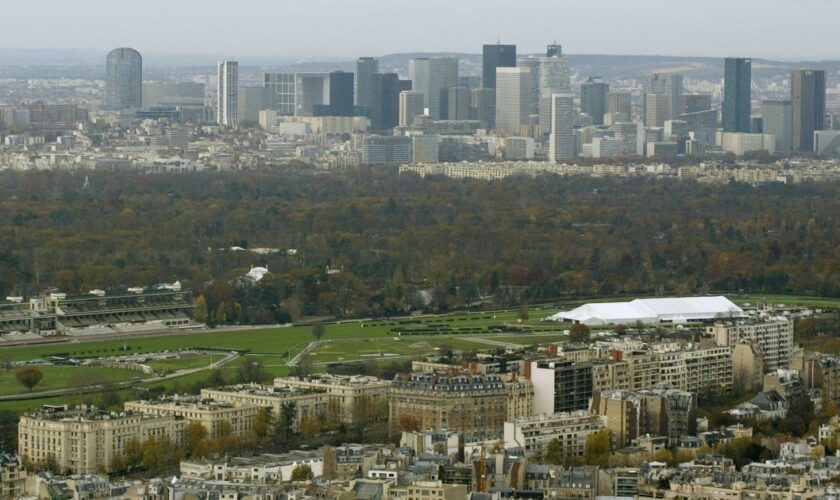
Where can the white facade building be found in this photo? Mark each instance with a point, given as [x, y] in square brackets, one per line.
[228, 98]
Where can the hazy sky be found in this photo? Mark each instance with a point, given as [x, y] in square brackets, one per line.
[790, 29]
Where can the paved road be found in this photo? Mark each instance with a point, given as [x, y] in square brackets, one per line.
[120, 385]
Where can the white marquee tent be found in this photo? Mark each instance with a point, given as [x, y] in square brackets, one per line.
[651, 311]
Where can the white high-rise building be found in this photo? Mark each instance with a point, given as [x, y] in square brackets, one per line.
[513, 88]
[227, 109]
[549, 76]
[561, 145]
[411, 105]
[430, 76]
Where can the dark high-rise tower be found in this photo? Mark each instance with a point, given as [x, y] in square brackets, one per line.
[593, 99]
[365, 68]
[807, 98]
[554, 50]
[496, 56]
[736, 94]
[341, 93]
[123, 79]
[385, 91]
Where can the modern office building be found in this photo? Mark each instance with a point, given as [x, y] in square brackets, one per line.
[483, 106]
[737, 88]
[411, 105]
[385, 100]
[123, 79]
[165, 93]
[281, 92]
[561, 385]
[513, 87]
[424, 149]
[312, 90]
[227, 112]
[495, 56]
[562, 139]
[341, 92]
[455, 103]
[657, 109]
[250, 101]
[629, 132]
[554, 50]
[670, 84]
[807, 97]
[365, 68]
[593, 99]
[740, 143]
[693, 103]
[619, 105]
[430, 76]
[549, 76]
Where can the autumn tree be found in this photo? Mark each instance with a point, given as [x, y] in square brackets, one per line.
[29, 376]
[554, 453]
[195, 434]
[408, 423]
[597, 448]
[200, 312]
[262, 424]
[579, 333]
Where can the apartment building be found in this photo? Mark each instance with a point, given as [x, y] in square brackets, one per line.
[213, 415]
[774, 336]
[533, 434]
[12, 476]
[86, 440]
[350, 397]
[658, 412]
[474, 405]
[307, 402]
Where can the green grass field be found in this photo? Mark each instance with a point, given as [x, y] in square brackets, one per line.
[272, 345]
[171, 365]
[62, 377]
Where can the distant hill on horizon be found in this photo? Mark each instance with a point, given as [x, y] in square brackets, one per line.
[88, 63]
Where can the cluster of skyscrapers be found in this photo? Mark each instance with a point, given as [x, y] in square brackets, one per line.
[517, 96]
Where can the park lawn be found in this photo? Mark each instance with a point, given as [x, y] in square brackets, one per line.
[265, 341]
[171, 365]
[62, 377]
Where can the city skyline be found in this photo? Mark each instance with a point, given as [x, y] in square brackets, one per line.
[102, 26]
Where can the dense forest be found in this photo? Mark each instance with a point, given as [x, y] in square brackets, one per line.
[374, 242]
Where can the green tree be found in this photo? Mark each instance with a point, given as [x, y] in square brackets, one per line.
[302, 472]
[523, 314]
[29, 376]
[554, 453]
[133, 453]
[251, 371]
[318, 331]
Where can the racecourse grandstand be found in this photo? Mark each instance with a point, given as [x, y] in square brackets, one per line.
[163, 308]
[17, 316]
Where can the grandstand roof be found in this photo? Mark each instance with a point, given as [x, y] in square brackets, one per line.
[650, 311]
